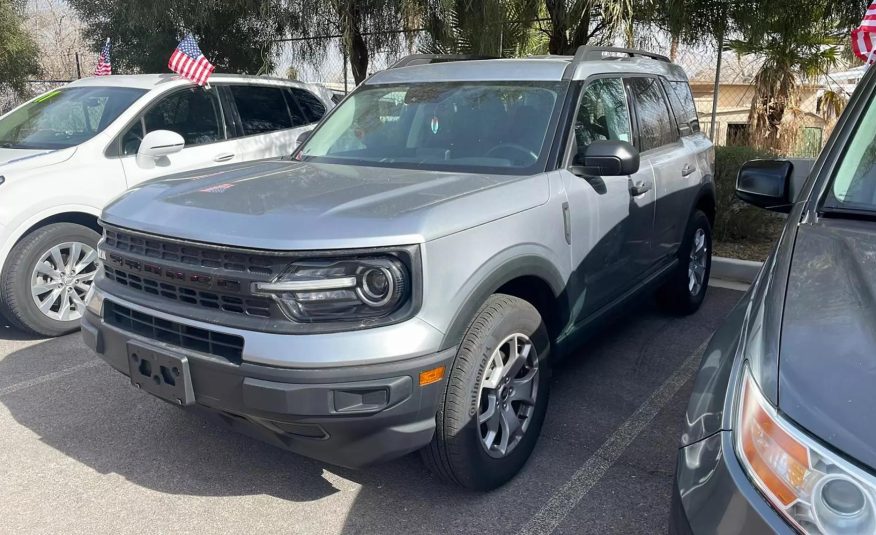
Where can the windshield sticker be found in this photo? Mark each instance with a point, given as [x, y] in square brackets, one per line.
[435, 124]
[48, 96]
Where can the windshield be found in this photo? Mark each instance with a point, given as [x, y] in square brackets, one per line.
[469, 127]
[854, 184]
[65, 117]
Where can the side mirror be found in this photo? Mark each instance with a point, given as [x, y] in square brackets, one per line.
[766, 184]
[304, 136]
[607, 158]
[156, 145]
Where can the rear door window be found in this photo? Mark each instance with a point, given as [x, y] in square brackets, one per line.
[657, 127]
[262, 109]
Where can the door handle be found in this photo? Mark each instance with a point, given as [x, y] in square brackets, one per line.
[688, 170]
[639, 187]
[223, 157]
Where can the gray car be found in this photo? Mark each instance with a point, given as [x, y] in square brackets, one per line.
[405, 280]
[779, 434]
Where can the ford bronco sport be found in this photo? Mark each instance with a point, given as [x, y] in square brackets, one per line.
[405, 279]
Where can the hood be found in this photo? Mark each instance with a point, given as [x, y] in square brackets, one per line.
[276, 204]
[26, 159]
[827, 364]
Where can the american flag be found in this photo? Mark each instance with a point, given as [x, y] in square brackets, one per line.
[188, 61]
[864, 37]
[104, 65]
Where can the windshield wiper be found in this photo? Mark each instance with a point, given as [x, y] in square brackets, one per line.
[850, 213]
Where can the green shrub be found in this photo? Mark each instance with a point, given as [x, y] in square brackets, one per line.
[737, 221]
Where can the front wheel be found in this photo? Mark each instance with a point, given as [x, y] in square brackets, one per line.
[46, 277]
[494, 404]
[685, 290]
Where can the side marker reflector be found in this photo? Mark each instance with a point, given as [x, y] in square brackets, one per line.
[431, 376]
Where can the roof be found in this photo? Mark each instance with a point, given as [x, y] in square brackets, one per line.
[542, 68]
[152, 81]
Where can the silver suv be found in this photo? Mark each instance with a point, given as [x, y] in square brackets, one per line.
[406, 279]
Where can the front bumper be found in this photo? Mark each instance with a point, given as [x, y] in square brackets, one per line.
[350, 416]
[712, 493]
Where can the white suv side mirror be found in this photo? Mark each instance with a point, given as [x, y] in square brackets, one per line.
[156, 145]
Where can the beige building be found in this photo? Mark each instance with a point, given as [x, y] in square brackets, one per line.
[734, 103]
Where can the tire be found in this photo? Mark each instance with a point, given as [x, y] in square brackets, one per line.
[19, 277]
[459, 453]
[681, 294]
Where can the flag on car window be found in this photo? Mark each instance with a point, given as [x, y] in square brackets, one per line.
[104, 65]
[864, 37]
[188, 61]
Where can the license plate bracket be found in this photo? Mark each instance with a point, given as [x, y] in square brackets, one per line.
[162, 373]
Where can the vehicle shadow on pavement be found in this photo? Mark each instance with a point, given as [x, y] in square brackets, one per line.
[91, 414]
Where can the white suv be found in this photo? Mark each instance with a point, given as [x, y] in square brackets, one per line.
[65, 154]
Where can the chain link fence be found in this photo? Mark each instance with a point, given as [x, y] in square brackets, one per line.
[732, 111]
[10, 99]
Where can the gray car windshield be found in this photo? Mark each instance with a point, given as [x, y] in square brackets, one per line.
[854, 184]
[65, 118]
[500, 127]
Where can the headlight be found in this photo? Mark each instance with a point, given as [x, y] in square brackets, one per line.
[347, 289]
[816, 490]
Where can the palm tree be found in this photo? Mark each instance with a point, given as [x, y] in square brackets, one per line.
[799, 42]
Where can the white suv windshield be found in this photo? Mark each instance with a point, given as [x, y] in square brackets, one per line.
[65, 117]
[471, 127]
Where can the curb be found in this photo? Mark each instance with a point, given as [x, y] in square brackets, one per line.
[731, 269]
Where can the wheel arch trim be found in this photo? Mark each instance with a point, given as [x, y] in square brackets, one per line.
[515, 268]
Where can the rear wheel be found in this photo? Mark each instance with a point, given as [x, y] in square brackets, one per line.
[46, 277]
[685, 290]
[496, 397]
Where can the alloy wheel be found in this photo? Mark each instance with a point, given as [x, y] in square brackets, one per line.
[699, 257]
[61, 279]
[507, 395]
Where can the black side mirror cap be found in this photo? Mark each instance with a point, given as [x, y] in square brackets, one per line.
[766, 184]
[607, 158]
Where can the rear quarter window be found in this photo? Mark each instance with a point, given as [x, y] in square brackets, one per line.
[312, 107]
[683, 105]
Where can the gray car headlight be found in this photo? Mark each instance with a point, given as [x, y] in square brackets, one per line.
[340, 289]
[814, 489]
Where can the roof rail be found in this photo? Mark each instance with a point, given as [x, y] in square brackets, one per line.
[425, 59]
[591, 53]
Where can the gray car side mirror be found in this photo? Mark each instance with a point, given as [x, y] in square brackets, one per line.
[607, 158]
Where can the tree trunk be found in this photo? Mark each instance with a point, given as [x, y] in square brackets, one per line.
[673, 48]
[357, 50]
[558, 42]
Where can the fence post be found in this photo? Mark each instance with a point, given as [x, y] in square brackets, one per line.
[78, 68]
[344, 51]
[717, 87]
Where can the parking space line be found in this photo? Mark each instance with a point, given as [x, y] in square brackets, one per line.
[563, 501]
[49, 377]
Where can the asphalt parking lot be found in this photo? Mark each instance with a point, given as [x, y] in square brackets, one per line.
[83, 451]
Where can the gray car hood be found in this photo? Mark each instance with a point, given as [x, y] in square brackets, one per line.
[827, 364]
[277, 204]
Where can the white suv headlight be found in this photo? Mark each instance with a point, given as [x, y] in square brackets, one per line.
[815, 490]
